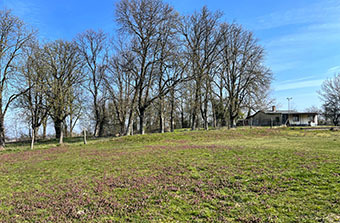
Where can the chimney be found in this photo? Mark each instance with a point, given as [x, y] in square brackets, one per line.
[274, 108]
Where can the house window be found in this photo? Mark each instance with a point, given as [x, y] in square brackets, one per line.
[296, 118]
[311, 118]
[277, 119]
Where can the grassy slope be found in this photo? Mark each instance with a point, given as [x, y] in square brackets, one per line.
[243, 175]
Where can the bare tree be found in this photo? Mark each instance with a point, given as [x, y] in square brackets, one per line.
[218, 98]
[93, 48]
[313, 109]
[330, 95]
[64, 67]
[145, 21]
[13, 38]
[33, 101]
[202, 38]
[258, 99]
[75, 110]
[170, 68]
[122, 84]
[242, 70]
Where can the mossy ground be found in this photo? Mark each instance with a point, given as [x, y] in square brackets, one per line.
[242, 175]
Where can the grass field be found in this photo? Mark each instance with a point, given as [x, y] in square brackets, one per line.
[242, 175]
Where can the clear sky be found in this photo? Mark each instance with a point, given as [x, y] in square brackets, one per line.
[301, 37]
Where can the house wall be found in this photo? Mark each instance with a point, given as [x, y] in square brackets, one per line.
[304, 119]
[262, 119]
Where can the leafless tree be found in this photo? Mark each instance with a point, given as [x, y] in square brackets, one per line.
[201, 37]
[33, 101]
[64, 67]
[330, 95]
[257, 100]
[14, 36]
[145, 21]
[218, 98]
[75, 110]
[121, 84]
[170, 69]
[242, 71]
[94, 50]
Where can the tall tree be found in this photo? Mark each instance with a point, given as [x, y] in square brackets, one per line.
[14, 36]
[93, 48]
[170, 68]
[33, 101]
[75, 109]
[242, 71]
[144, 21]
[202, 38]
[122, 84]
[330, 95]
[64, 67]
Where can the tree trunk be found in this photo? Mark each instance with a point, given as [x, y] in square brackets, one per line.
[58, 128]
[161, 122]
[61, 139]
[129, 129]
[172, 119]
[32, 141]
[65, 131]
[35, 133]
[206, 124]
[44, 128]
[34, 136]
[172, 122]
[197, 121]
[205, 115]
[232, 120]
[84, 132]
[96, 127]
[193, 120]
[231, 117]
[122, 128]
[141, 121]
[102, 119]
[101, 128]
[213, 109]
[161, 115]
[2, 132]
[71, 132]
[182, 115]
[223, 121]
[172, 110]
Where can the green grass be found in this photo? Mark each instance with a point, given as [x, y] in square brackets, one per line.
[242, 175]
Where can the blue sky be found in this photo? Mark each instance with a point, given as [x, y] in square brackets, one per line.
[301, 37]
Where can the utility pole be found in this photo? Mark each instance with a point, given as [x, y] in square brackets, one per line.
[290, 98]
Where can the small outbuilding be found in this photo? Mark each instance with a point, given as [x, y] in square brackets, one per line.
[282, 117]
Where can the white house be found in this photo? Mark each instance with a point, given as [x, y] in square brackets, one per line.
[283, 117]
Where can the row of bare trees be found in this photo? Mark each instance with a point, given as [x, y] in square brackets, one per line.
[161, 71]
